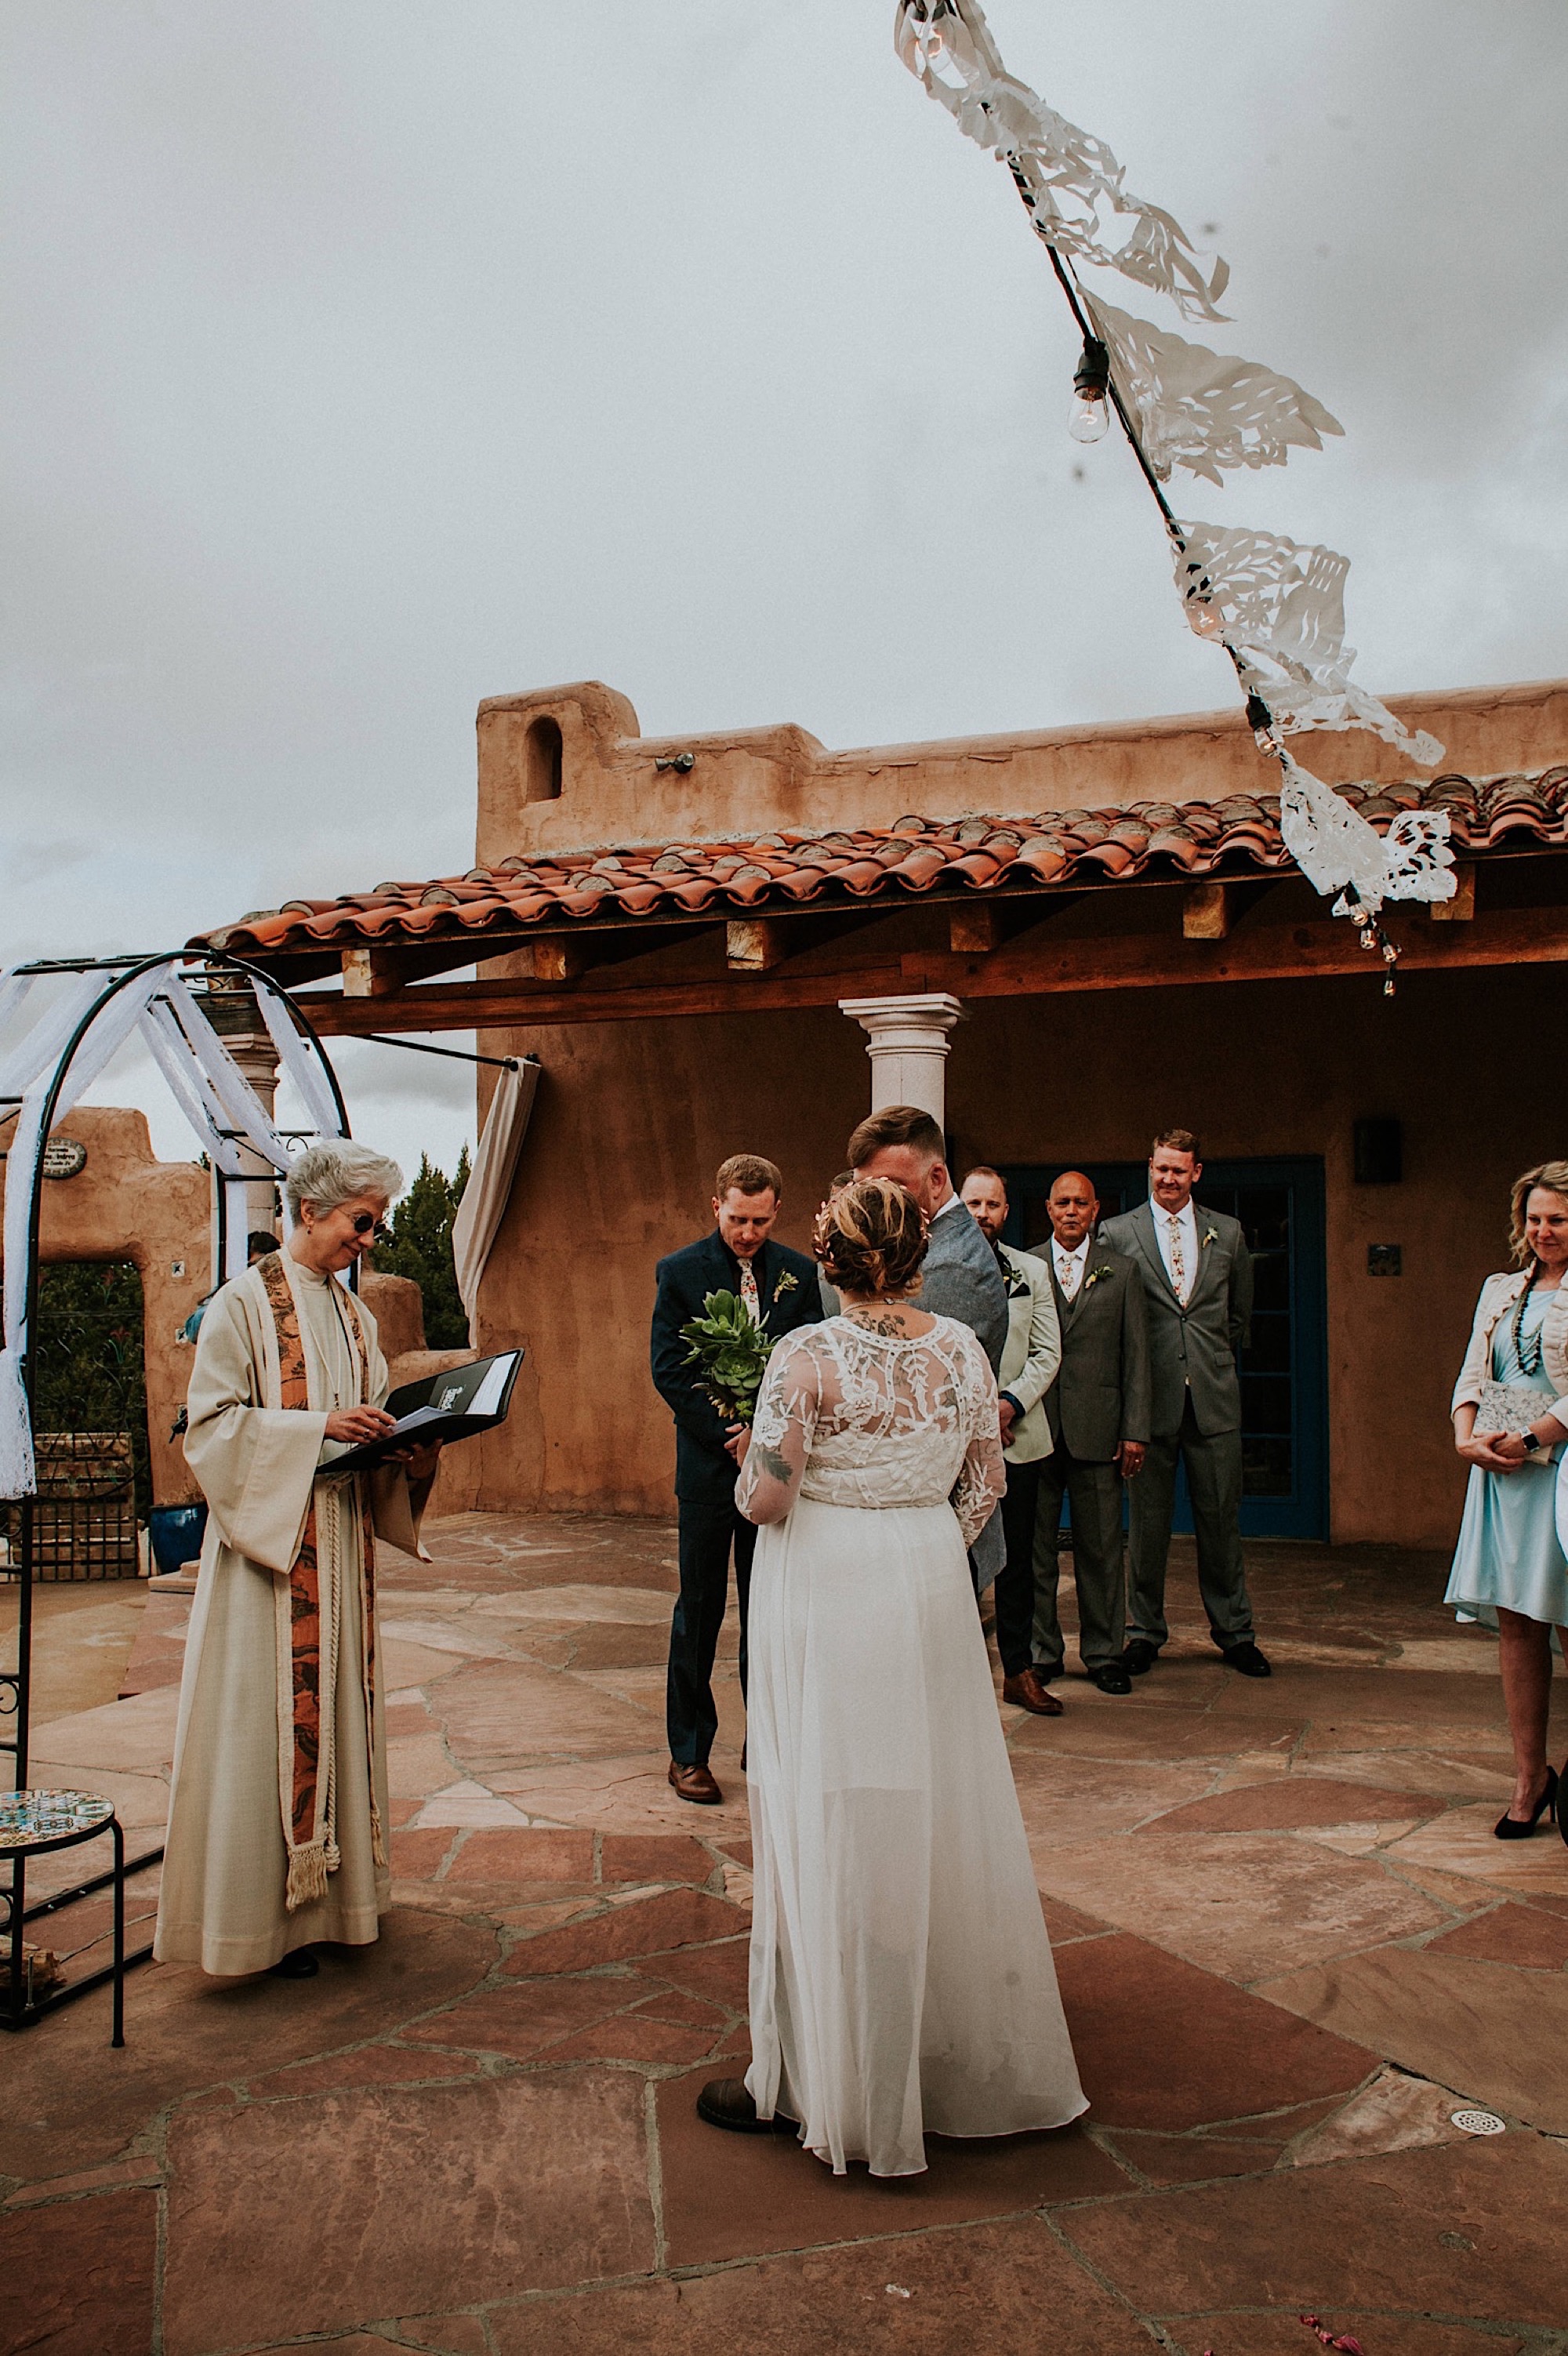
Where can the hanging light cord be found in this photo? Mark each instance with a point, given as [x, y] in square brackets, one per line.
[1260, 719]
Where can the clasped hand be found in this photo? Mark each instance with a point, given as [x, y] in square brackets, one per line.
[1494, 1451]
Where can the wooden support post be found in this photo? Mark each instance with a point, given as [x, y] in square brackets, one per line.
[1208, 912]
[974, 932]
[1461, 909]
[372, 973]
[753, 944]
[553, 957]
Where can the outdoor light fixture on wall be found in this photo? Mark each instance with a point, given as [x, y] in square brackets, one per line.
[1378, 1153]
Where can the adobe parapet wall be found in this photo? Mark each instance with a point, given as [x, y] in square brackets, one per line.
[567, 769]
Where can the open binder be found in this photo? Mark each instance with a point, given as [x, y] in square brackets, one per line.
[454, 1406]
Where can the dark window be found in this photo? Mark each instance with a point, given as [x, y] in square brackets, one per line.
[544, 761]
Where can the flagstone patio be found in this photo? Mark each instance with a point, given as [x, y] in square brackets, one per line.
[1289, 1949]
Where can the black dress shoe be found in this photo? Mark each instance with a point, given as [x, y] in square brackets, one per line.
[1140, 1656]
[1111, 1678]
[1248, 1659]
[302, 1964]
[724, 2103]
[1516, 1828]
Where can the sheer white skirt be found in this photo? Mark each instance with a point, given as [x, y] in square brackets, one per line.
[901, 1974]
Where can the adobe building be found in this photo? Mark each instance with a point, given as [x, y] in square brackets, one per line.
[1062, 941]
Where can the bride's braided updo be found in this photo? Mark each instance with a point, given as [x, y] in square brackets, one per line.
[871, 1239]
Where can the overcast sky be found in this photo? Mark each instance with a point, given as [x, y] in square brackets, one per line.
[364, 357]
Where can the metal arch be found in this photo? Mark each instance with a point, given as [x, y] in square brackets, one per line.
[302, 1020]
[14, 2011]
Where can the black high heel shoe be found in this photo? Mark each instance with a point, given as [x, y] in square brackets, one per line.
[1510, 1828]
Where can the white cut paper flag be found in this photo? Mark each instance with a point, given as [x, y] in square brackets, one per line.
[1280, 607]
[1069, 181]
[1200, 410]
[1335, 846]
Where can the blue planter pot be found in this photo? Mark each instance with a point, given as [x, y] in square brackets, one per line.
[177, 1533]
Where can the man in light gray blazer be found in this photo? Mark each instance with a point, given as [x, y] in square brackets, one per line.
[1029, 1363]
[959, 1277]
[1197, 1288]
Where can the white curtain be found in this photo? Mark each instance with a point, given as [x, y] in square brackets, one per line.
[489, 1189]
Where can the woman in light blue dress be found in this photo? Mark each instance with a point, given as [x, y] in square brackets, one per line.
[1510, 1570]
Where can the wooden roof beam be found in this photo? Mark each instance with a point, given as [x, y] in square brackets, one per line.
[1035, 966]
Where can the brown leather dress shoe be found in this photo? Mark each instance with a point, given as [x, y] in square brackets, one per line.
[1025, 1692]
[696, 1783]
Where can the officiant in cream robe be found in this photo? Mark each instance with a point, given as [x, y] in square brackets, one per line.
[278, 1813]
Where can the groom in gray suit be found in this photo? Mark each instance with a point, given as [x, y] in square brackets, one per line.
[1197, 1288]
[959, 1277]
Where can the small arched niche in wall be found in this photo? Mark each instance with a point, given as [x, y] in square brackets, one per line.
[542, 767]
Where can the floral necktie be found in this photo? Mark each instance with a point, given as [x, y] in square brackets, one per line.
[749, 1301]
[1178, 1264]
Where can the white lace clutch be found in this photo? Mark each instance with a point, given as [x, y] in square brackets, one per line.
[1513, 1406]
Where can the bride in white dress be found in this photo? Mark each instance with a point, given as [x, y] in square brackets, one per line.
[901, 1974]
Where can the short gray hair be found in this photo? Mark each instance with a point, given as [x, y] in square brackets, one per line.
[328, 1175]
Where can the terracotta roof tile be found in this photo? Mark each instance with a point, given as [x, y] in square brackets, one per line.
[980, 852]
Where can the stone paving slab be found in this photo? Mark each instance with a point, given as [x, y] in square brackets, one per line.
[1490, 2029]
[1287, 1945]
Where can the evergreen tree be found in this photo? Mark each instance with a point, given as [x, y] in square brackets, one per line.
[420, 1246]
[89, 1371]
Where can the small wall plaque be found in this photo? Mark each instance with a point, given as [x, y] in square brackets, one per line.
[1385, 1259]
[64, 1157]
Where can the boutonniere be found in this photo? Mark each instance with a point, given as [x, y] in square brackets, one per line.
[788, 1282]
[1211, 1236]
[1096, 1273]
[1018, 1283]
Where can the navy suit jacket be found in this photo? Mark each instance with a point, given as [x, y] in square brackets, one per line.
[705, 1469]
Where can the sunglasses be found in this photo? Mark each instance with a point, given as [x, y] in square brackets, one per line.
[365, 1223]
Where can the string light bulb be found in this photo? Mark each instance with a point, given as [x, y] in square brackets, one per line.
[1090, 416]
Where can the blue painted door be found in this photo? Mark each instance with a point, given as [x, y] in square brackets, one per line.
[1284, 1367]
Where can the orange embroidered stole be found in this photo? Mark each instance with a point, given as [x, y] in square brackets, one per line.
[310, 1620]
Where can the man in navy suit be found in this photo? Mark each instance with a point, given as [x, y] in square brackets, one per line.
[780, 1289]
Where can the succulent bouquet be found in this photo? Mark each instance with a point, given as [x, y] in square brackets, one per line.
[731, 1354]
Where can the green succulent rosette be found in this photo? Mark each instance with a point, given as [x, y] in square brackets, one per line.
[730, 1353]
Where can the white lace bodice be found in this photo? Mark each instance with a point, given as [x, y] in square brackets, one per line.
[854, 1418]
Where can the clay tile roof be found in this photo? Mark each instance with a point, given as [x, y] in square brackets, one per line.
[980, 852]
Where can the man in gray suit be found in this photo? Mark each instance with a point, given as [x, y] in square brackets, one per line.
[1097, 1411]
[830, 1302]
[959, 1277]
[1197, 1287]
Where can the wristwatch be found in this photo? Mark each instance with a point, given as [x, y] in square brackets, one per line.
[1530, 1442]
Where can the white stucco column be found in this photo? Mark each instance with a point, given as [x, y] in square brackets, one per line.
[230, 1004]
[906, 1040]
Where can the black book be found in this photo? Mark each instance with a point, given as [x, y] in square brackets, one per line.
[454, 1406]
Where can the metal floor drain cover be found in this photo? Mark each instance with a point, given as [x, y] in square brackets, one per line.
[1477, 2123]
